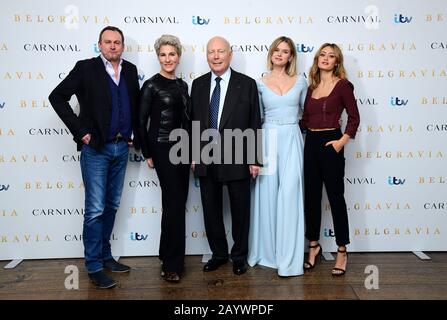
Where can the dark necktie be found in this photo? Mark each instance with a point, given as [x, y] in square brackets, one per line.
[214, 104]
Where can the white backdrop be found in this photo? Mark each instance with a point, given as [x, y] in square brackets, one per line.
[395, 55]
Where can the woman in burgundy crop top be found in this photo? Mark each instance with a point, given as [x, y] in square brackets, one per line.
[329, 94]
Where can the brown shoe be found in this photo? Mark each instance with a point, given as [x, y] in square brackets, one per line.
[171, 276]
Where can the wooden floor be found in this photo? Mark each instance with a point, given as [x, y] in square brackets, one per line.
[401, 276]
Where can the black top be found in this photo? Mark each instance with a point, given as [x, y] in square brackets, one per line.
[165, 106]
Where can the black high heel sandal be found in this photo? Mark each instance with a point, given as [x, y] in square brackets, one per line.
[308, 265]
[337, 272]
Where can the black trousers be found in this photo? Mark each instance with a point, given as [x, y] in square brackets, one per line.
[174, 183]
[324, 165]
[239, 193]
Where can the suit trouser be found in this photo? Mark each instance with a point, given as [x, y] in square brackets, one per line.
[174, 183]
[239, 193]
[322, 164]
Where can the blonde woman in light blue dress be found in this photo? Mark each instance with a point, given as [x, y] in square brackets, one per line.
[276, 238]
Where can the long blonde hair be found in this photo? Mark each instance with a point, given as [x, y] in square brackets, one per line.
[338, 71]
[291, 65]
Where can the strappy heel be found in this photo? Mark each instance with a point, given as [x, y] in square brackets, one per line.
[308, 265]
[337, 272]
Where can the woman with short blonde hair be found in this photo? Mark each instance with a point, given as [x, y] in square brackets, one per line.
[165, 106]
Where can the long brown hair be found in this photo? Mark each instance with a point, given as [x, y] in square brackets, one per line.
[338, 71]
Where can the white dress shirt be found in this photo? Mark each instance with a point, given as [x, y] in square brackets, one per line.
[111, 71]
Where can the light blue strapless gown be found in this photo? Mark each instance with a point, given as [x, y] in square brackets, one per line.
[276, 238]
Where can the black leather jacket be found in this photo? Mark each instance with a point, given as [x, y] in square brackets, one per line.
[165, 106]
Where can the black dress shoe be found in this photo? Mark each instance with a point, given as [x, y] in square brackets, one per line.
[239, 267]
[101, 280]
[115, 266]
[214, 264]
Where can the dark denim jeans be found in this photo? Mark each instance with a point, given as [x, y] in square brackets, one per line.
[103, 175]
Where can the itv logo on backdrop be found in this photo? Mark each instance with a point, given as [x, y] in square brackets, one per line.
[399, 18]
[328, 233]
[300, 47]
[393, 181]
[4, 187]
[133, 157]
[396, 102]
[2, 104]
[138, 237]
[197, 20]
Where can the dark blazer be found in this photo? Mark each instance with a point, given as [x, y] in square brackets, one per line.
[240, 111]
[88, 81]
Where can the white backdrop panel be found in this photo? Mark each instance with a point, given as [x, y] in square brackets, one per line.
[395, 54]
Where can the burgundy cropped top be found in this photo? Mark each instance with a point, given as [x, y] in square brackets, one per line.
[325, 112]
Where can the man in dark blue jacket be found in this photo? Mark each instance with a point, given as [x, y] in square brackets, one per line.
[107, 91]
